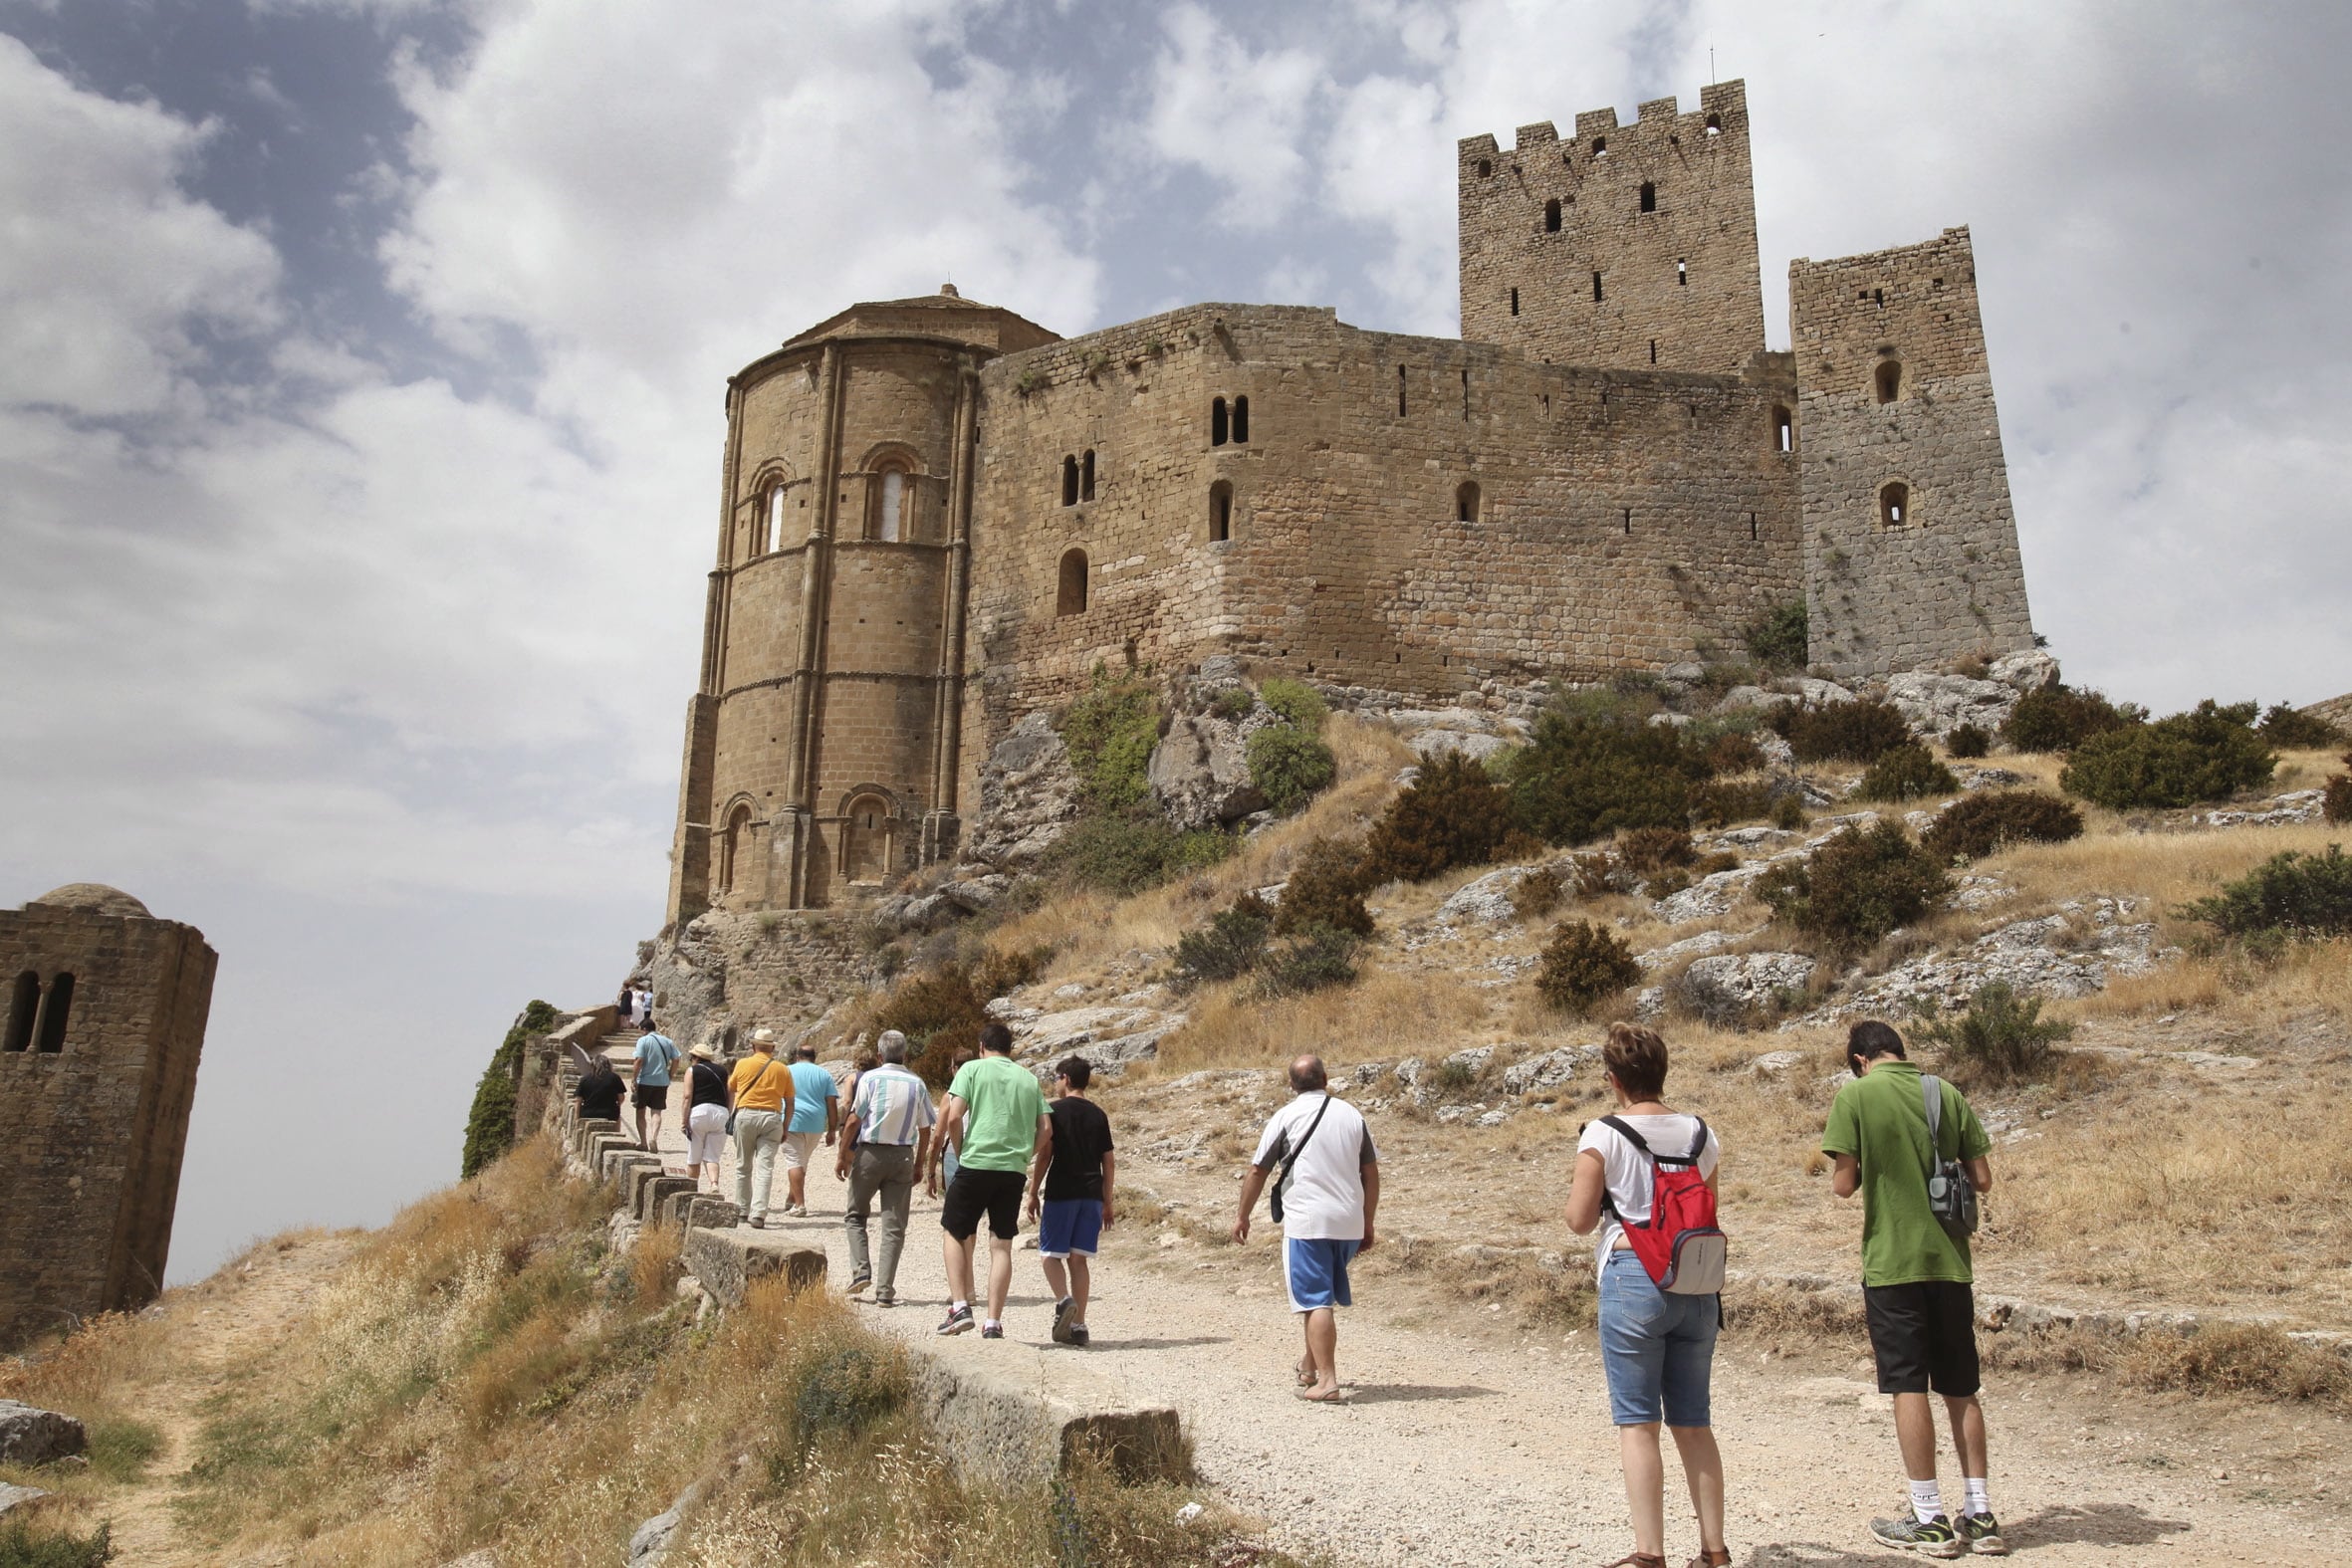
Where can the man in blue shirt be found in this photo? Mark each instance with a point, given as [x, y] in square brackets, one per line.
[656, 1054]
[816, 1112]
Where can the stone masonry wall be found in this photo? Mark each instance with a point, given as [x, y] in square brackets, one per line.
[1559, 259]
[1946, 580]
[90, 1176]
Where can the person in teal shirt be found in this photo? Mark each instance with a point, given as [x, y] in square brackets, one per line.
[656, 1055]
[995, 1117]
[817, 1113]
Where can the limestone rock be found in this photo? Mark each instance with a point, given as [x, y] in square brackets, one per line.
[1936, 705]
[977, 894]
[1470, 1063]
[10, 1496]
[31, 1436]
[2028, 670]
[1029, 797]
[1434, 744]
[1550, 1070]
[1775, 1063]
[1200, 771]
[650, 1544]
[1749, 979]
[1709, 896]
[1820, 693]
[1484, 902]
[1740, 697]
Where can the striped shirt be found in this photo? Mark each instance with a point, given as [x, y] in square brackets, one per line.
[892, 1105]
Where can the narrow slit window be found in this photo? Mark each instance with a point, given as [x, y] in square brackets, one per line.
[893, 505]
[1752, 525]
[1889, 379]
[1400, 392]
[1466, 394]
[1515, 302]
[1069, 596]
[1597, 288]
[1649, 196]
[24, 1004]
[1241, 421]
[1220, 512]
[1070, 481]
[1087, 476]
[1681, 273]
[771, 534]
[1220, 429]
[1465, 500]
[1653, 350]
[1894, 504]
[1784, 430]
[1629, 520]
[1551, 216]
[1485, 168]
[55, 1006]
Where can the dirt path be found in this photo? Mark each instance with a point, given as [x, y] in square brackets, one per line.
[1471, 1440]
[208, 1327]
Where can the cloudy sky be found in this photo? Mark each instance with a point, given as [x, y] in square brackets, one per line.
[361, 366]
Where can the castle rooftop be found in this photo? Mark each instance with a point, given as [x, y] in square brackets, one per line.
[96, 897]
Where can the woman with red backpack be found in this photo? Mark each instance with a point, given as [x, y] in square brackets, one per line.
[1645, 1179]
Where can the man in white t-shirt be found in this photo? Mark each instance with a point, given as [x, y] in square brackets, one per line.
[1320, 1152]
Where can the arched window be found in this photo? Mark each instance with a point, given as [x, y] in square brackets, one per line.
[1219, 430]
[890, 505]
[1649, 197]
[1070, 481]
[1087, 476]
[24, 1003]
[1465, 502]
[866, 841]
[1600, 147]
[1551, 216]
[1894, 504]
[55, 1007]
[1784, 430]
[1715, 125]
[768, 525]
[1220, 512]
[1241, 421]
[1485, 168]
[1070, 597]
[1889, 379]
[733, 845]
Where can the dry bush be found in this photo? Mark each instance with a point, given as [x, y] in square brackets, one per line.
[1584, 965]
[1968, 742]
[2059, 717]
[1983, 824]
[1855, 888]
[1644, 850]
[1452, 815]
[1536, 894]
[1906, 772]
[1325, 891]
[1860, 731]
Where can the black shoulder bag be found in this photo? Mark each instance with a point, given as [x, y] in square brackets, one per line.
[1273, 1202]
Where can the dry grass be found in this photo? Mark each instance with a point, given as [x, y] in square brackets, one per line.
[1387, 1013]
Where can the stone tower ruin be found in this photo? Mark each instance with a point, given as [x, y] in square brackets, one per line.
[938, 517]
[104, 1021]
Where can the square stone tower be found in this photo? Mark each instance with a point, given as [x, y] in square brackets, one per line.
[105, 1016]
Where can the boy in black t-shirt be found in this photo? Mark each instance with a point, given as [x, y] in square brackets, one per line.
[1076, 1196]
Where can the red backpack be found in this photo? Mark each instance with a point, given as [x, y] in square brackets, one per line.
[1680, 1244]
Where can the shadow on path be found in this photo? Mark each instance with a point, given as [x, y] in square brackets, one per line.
[1383, 1393]
[1160, 1344]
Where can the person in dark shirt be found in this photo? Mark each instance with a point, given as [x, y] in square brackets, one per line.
[1075, 1197]
[599, 1092]
[707, 1105]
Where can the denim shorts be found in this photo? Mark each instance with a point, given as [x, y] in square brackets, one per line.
[1656, 1347]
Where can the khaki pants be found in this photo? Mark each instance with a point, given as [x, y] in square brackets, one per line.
[886, 1170]
[757, 1135]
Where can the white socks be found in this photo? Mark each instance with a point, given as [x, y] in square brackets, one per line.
[1979, 1498]
[1927, 1500]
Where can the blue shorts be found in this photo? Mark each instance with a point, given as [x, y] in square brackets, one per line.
[1069, 1225]
[1657, 1348]
[1315, 1269]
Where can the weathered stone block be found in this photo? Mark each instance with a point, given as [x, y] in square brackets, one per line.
[681, 1211]
[727, 1262]
[1027, 1415]
[651, 1193]
[31, 1436]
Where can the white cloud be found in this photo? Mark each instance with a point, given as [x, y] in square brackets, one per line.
[1238, 116]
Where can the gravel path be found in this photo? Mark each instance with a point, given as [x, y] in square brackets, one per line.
[1468, 1439]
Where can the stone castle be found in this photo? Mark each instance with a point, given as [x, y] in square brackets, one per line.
[104, 1021]
[937, 516]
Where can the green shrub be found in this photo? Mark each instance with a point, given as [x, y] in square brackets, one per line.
[1234, 701]
[21, 1548]
[1594, 766]
[1299, 703]
[1722, 801]
[1311, 961]
[1782, 639]
[1326, 889]
[1908, 773]
[1789, 812]
[490, 1122]
[1536, 894]
[1733, 753]
[1452, 815]
[2291, 729]
[2207, 754]
[2292, 893]
[1110, 732]
[1289, 767]
[1643, 850]
[1232, 944]
[1860, 731]
[2336, 804]
[1967, 741]
[2001, 1039]
[1980, 824]
[1127, 853]
[2058, 719]
[1855, 888]
[1584, 965]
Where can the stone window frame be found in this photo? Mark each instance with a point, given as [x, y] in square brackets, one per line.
[39, 1012]
[891, 819]
[771, 483]
[24, 1011]
[883, 459]
[1073, 590]
[1469, 502]
[1897, 500]
[1888, 378]
[1221, 511]
[742, 812]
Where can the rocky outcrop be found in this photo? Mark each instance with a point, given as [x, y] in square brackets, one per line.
[30, 1436]
[1200, 771]
[1936, 705]
[1029, 797]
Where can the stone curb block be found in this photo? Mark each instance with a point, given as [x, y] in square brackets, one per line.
[727, 1262]
[680, 1211]
[1028, 1415]
[653, 1193]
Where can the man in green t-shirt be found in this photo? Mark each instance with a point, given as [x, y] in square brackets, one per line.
[1916, 1283]
[995, 1114]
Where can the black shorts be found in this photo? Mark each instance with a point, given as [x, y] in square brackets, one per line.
[650, 1096]
[996, 1194]
[1923, 1336]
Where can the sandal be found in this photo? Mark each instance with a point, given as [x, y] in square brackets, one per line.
[1639, 1560]
[1721, 1557]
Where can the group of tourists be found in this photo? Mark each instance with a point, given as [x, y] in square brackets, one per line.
[996, 1150]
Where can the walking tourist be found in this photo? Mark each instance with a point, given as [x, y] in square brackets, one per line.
[1656, 1345]
[639, 1005]
[1918, 1294]
[883, 1144]
[600, 1091]
[1075, 1195]
[707, 1105]
[817, 1113]
[762, 1089]
[1327, 1194]
[945, 1154]
[996, 1114]
[656, 1054]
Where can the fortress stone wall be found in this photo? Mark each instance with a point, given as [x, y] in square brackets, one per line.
[938, 516]
[104, 1024]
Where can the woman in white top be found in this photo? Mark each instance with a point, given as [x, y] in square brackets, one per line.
[1657, 1347]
